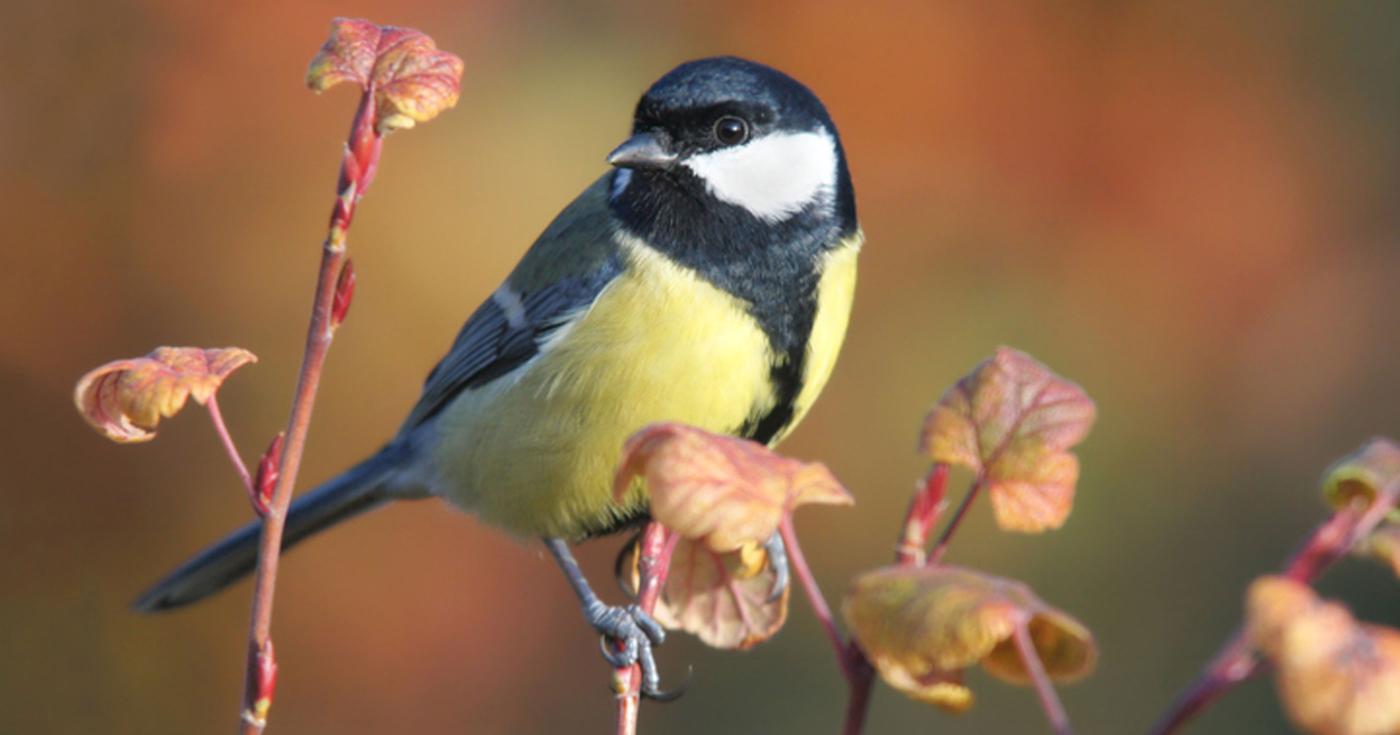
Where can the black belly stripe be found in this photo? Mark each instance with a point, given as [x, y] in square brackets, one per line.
[787, 384]
[774, 269]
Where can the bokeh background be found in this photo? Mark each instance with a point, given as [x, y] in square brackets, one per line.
[1192, 208]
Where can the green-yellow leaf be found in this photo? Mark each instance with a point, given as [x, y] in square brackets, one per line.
[922, 626]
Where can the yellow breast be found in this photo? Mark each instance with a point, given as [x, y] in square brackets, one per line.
[535, 453]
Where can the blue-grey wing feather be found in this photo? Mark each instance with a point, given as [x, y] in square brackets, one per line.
[558, 279]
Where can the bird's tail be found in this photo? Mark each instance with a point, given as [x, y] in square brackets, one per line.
[353, 492]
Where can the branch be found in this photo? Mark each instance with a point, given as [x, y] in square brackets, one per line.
[653, 565]
[361, 157]
[1236, 661]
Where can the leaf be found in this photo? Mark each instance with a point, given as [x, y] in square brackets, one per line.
[725, 492]
[720, 598]
[1363, 473]
[411, 79]
[1335, 676]
[922, 626]
[1012, 421]
[125, 399]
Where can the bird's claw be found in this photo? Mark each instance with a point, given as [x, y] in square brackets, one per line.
[629, 637]
[778, 561]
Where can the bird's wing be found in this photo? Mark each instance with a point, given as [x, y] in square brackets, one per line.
[557, 280]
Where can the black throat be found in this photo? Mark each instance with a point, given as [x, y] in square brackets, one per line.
[772, 267]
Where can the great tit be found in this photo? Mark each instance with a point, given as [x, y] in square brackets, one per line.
[707, 278]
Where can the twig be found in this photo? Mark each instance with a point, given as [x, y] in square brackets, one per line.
[1233, 664]
[798, 561]
[653, 564]
[1236, 661]
[361, 157]
[1049, 701]
[227, 440]
[854, 667]
[860, 684]
[924, 508]
[947, 536]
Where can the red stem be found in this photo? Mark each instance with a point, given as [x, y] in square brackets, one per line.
[227, 440]
[798, 562]
[854, 667]
[858, 700]
[318, 341]
[924, 508]
[653, 566]
[947, 536]
[1236, 661]
[1049, 701]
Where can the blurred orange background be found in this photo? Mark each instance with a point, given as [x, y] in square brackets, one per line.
[1188, 207]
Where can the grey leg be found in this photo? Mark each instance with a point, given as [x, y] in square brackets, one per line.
[630, 625]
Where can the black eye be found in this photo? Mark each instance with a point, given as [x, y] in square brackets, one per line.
[730, 130]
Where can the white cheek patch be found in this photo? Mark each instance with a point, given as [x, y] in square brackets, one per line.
[773, 177]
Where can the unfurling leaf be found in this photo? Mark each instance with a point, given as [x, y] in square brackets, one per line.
[1012, 421]
[1335, 676]
[922, 626]
[722, 599]
[725, 492]
[411, 79]
[125, 399]
[1363, 473]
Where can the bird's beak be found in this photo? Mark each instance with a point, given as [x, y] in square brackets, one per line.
[643, 150]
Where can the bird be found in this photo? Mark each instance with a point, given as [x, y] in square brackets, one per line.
[707, 277]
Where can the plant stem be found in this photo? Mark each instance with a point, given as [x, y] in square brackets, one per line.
[653, 565]
[924, 508]
[1049, 701]
[1236, 661]
[227, 440]
[858, 700]
[318, 341]
[947, 535]
[798, 562]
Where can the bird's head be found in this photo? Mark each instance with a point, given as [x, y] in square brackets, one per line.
[732, 135]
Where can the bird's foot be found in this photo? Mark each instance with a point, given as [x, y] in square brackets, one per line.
[778, 560]
[629, 637]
